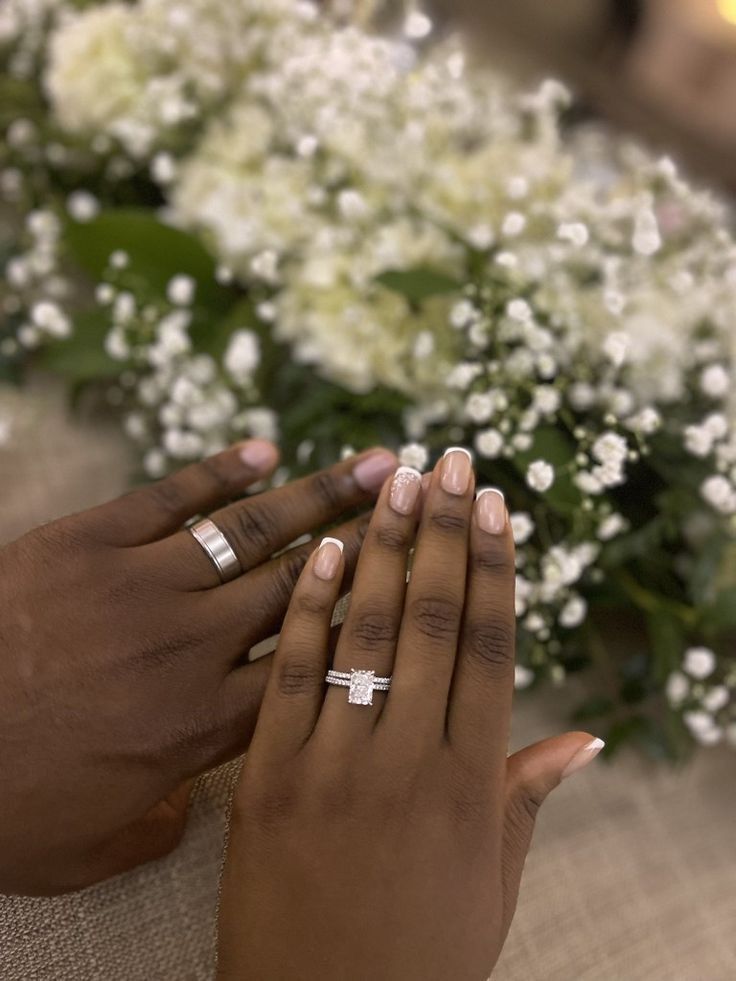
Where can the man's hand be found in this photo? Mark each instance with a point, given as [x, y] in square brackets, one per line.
[123, 660]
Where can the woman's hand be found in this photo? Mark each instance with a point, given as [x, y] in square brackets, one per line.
[386, 842]
[121, 657]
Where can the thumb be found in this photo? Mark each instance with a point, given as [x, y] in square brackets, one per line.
[531, 774]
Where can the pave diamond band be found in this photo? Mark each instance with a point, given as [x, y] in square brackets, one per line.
[360, 684]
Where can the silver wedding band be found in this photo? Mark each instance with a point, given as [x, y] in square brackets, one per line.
[218, 549]
[360, 684]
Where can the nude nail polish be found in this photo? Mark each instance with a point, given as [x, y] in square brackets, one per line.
[258, 454]
[327, 561]
[405, 488]
[372, 470]
[490, 511]
[457, 469]
[584, 756]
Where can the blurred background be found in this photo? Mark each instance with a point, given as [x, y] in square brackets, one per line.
[663, 68]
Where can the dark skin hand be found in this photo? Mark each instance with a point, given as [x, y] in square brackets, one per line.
[122, 671]
[386, 842]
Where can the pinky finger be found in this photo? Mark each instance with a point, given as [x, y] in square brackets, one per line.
[295, 691]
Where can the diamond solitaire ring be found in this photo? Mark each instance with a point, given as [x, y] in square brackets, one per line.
[360, 684]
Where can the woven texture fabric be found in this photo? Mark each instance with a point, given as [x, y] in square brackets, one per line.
[632, 875]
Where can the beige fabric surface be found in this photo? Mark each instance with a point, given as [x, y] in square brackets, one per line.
[632, 876]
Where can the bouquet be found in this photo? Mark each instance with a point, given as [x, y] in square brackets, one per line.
[265, 217]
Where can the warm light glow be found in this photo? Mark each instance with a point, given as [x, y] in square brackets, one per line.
[727, 10]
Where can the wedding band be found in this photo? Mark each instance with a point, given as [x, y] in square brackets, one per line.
[218, 549]
[360, 684]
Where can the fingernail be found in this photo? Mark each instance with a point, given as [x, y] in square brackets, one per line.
[490, 510]
[371, 471]
[457, 469]
[405, 489]
[328, 557]
[584, 756]
[259, 455]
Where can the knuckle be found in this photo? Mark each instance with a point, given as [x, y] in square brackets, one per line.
[167, 495]
[271, 807]
[491, 642]
[310, 605]
[286, 575]
[299, 675]
[448, 521]
[370, 629]
[255, 529]
[216, 469]
[493, 561]
[391, 538]
[524, 806]
[326, 488]
[436, 616]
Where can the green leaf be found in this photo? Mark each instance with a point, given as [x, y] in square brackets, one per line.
[668, 641]
[418, 284]
[554, 446]
[212, 337]
[593, 708]
[157, 253]
[82, 357]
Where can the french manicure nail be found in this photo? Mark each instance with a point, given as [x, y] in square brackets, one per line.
[259, 455]
[405, 489]
[371, 471]
[584, 756]
[328, 557]
[490, 510]
[457, 469]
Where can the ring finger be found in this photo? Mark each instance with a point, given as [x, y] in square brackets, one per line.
[368, 638]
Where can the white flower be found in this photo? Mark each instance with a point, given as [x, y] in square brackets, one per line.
[540, 476]
[243, 356]
[523, 677]
[462, 314]
[699, 662]
[480, 406]
[616, 347]
[546, 399]
[522, 527]
[519, 310]
[611, 526]
[154, 463]
[610, 449]
[513, 224]
[414, 455]
[574, 232]
[489, 443]
[163, 168]
[717, 698]
[588, 483]
[94, 72]
[677, 688]
[180, 290]
[50, 318]
[573, 612]
[720, 493]
[698, 441]
[715, 381]
[82, 206]
[703, 727]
